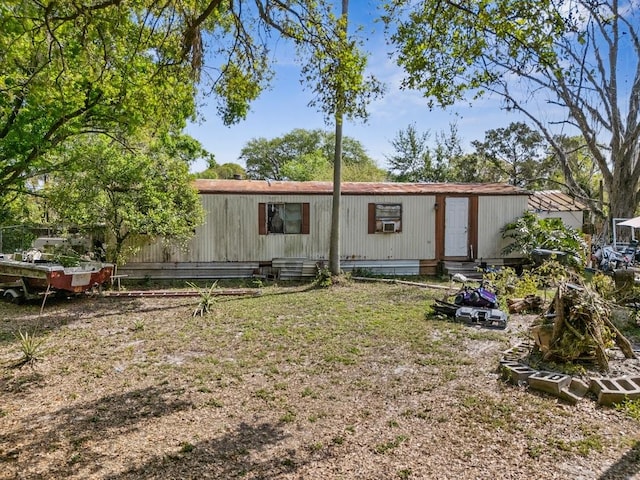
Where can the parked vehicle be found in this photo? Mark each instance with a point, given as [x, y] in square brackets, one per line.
[473, 305]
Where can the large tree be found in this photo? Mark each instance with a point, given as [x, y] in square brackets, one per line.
[566, 66]
[473, 168]
[335, 72]
[226, 171]
[70, 68]
[517, 154]
[137, 195]
[303, 155]
[418, 159]
[583, 167]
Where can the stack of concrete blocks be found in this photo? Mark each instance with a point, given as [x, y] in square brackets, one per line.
[512, 369]
[608, 390]
[615, 390]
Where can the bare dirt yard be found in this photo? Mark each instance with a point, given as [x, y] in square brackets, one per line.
[349, 382]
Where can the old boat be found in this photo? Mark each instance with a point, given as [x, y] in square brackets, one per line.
[28, 279]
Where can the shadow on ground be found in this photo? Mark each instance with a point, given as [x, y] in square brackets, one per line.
[236, 454]
[62, 435]
[626, 467]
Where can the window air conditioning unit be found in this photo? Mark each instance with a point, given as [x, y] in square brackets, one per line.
[388, 227]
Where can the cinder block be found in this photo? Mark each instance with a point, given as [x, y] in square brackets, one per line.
[550, 382]
[568, 396]
[575, 392]
[515, 353]
[516, 372]
[579, 387]
[615, 390]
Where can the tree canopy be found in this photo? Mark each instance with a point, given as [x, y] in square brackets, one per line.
[69, 69]
[517, 155]
[73, 68]
[304, 155]
[583, 167]
[137, 195]
[225, 171]
[416, 160]
[576, 66]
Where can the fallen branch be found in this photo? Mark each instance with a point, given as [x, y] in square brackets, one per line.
[530, 303]
[622, 341]
[401, 282]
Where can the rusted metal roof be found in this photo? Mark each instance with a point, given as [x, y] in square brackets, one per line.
[554, 201]
[352, 188]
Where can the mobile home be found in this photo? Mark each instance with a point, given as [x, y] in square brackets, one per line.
[283, 229]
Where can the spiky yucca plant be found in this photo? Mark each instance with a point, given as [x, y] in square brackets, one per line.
[207, 298]
[30, 347]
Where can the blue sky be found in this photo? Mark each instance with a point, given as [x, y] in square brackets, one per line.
[284, 107]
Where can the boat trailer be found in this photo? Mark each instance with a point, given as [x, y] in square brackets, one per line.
[29, 280]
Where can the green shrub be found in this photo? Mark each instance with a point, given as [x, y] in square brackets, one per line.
[530, 232]
[604, 285]
[551, 273]
[323, 277]
[207, 298]
[502, 282]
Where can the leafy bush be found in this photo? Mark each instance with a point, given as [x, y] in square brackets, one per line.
[502, 282]
[506, 283]
[323, 277]
[603, 284]
[530, 232]
[528, 284]
[551, 273]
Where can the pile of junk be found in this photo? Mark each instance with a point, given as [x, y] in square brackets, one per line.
[624, 250]
[474, 305]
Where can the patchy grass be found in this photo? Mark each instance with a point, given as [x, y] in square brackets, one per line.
[349, 381]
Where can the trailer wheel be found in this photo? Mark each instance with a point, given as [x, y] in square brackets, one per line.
[14, 296]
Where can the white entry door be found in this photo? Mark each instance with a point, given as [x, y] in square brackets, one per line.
[456, 227]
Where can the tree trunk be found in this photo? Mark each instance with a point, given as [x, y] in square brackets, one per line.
[334, 243]
[334, 246]
[622, 193]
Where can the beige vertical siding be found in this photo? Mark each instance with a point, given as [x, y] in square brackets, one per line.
[494, 212]
[415, 241]
[230, 232]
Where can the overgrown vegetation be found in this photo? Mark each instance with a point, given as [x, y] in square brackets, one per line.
[531, 232]
[323, 277]
[506, 283]
[630, 408]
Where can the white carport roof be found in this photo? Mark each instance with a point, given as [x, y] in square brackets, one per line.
[632, 222]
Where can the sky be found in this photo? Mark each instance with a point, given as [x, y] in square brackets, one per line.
[284, 107]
